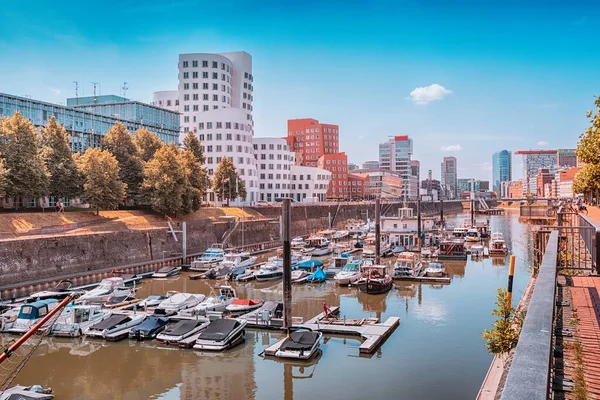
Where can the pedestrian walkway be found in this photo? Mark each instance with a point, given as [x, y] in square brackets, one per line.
[594, 214]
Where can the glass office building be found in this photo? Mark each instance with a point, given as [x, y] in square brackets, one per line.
[87, 124]
[501, 169]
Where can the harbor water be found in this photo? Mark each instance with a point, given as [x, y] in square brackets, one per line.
[436, 353]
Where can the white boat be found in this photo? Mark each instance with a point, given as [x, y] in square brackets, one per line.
[181, 330]
[176, 302]
[349, 274]
[298, 242]
[8, 318]
[235, 260]
[32, 313]
[498, 246]
[339, 235]
[100, 293]
[296, 259]
[114, 327]
[121, 298]
[242, 306]
[299, 276]
[75, 319]
[435, 269]
[368, 254]
[407, 266]
[212, 255]
[221, 334]
[472, 235]
[35, 392]
[460, 232]
[166, 272]
[215, 303]
[151, 301]
[477, 251]
[322, 246]
[300, 344]
[59, 292]
[269, 272]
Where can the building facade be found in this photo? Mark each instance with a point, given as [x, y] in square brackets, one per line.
[566, 158]
[382, 183]
[533, 160]
[310, 140]
[564, 182]
[359, 186]
[501, 169]
[337, 164]
[370, 165]
[543, 182]
[449, 181]
[168, 99]
[395, 155]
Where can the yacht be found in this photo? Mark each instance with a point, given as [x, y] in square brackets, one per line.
[477, 251]
[75, 319]
[460, 232]
[322, 246]
[151, 301]
[298, 242]
[166, 272]
[176, 302]
[32, 313]
[349, 274]
[498, 246]
[299, 276]
[221, 334]
[242, 306]
[235, 260]
[100, 293]
[269, 272]
[60, 291]
[215, 303]
[407, 266]
[296, 259]
[300, 344]
[212, 255]
[374, 280]
[472, 235]
[181, 330]
[115, 327]
[121, 298]
[435, 269]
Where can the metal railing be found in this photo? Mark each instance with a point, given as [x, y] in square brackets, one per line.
[537, 211]
[580, 239]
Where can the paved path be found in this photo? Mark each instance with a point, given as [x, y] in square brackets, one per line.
[594, 214]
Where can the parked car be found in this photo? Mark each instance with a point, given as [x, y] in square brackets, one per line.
[262, 203]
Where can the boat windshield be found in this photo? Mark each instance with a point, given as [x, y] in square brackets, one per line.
[435, 265]
[351, 267]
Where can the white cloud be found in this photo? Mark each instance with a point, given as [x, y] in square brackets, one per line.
[542, 143]
[361, 137]
[452, 147]
[56, 91]
[426, 94]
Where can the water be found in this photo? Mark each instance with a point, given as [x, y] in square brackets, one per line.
[436, 353]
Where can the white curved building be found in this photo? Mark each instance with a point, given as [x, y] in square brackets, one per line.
[168, 99]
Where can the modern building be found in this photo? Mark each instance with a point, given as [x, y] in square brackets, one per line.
[370, 165]
[430, 184]
[382, 183]
[564, 182]
[544, 177]
[515, 190]
[168, 99]
[465, 185]
[533, 160]
[310, 140]
[88, 123]
[566, 158]
[337, 164]
[501, 169]
[449, 181]
[359, 186]
[395, 155]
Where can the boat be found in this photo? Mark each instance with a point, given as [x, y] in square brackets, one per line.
[340, 260]
[121, 299]
[349, 274]
[75, 319]
[299, 276]
[242, 306]
[301, 344]
[452, 250]
[8, 318]
[176, 302]
[35, 392]
[476, 251]
[130, 279]
[32, 313]
[472, 235]
[115, 327]
[322, 246]
[100, 293]
[180, 330]
[149, 329]
[309, 265]
[235, 273]
[407, 265]
[460, 232]
[339, 235]
[216, 303]
[212, 255]
[374, 279]
[218, 271]
[296, 259]
[386, 250]
[234, 260]
[151, 301]
[268, 272]
[368, 254]
[298, 242]
[317, 277]
[435, 270]
[166, 272]
[398, 249]
[221, 334]
[498, 246]
[426, 252]
[60, 291]
[246, 277]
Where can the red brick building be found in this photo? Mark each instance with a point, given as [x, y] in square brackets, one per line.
[310, 140]
[337, 164]
[543, 178]
[359, 186]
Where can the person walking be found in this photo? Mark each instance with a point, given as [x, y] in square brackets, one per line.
[62, 207]
[57, 206]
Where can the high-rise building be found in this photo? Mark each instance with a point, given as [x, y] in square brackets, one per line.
[533, 160]
[501, 169]
[449, 181]
[465, 185]
[430, 185]
[415, 168]
[370, 165]
[337, 164]
[395, 155]
[566, 158]
[310, 140]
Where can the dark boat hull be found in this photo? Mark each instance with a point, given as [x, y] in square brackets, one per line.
[374, 287]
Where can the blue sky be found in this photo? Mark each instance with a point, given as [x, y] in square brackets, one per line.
[514, 75]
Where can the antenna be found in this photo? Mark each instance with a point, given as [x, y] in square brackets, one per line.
[125, 89]
[95, 84]
[76, 92]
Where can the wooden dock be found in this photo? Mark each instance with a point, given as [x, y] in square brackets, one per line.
[424, 279]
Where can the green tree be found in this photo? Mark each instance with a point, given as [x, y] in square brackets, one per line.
[587, 180]
[65, 179]
[588, 148]
[119, 142]
[165, 181]
[227, 184]
[196, 179]
[25, 172]
[102, 186]
[3, 177]
[191, 143]
[505, 331]
[147, 143]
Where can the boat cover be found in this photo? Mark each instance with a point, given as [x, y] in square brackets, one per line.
[219, 330]
[300, 340]
[151, 323]
[245, 302]
[238, 271]
[182, 327]
[116, 300]
[317, 276]
[310, 264]
[111, 322]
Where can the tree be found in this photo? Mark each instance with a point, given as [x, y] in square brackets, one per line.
[196, 178]
[226, 181]
[147, 143]
[505, 331]
[588, 148]
[26, 175]
[165, 181]
[119, 142]
[65, 179]
[3, 177]
[191, 143]
[587, 180]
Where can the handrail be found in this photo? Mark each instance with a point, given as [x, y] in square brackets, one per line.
[529, 374]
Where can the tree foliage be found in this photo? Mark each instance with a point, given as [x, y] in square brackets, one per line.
[119, 142]
[197, 180]
[588, 148]
[147, 143]
[165, 182]
[102, 188]
[227, 184]
[505, 331]
[65, 179]
[25, 172]
[587, 180]
[191, 143]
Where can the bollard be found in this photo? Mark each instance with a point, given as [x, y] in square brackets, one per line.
[511, 273]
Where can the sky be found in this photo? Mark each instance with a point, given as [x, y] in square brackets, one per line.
[462, 78]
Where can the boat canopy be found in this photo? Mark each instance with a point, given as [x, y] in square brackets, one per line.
[35, 310]
[245, 302]
[110, 322]
[182, 327]
[310, 264]
[318, 275]
[300, 340]
[219, 330]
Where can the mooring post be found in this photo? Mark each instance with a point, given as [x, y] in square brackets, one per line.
[419, 221]
[472, 212]
[184, 241]
[442, 212]
[377, 230]
[511, 273]
[287, 264]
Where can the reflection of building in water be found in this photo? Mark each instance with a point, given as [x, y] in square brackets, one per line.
[455, 268]
[499, 261]
[406, 290]
[372, 302]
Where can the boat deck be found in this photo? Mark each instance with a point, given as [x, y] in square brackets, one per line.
[426, 279]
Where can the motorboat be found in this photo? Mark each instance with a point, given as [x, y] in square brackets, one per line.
[115, 327]
[221, 334]
[218, 271]
[269, 272]
[339, 235]
[32, 313]
[8, 318]
[100, 293]
[298, 242]
[398, 249]
[176, 302]
[216, 303]
[121, 299]
[296, 259]
[309, 265]
[149, 329]
[213, 255]
[301, 344]
[452, 250]
[246, 277]
[374, 279]
[235, 260]
[426, 252]
[317, 277]
[460, 232]
[131, 279]
[407, 266]
[322, 245]
[349, 274]
[235, 273]
[340, 260]
[477, 251]
[299, 276]
[472, 235]
[386, 250]
[166, 272]
[368, 254]
[60, 291]
[151, 301]
[181, 330]
[498, 246]
[35, 392]
[435, 269]
[75, 319]
[242, 306]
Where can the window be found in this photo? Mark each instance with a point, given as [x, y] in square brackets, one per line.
[195, 107]
[201, 126]
[186, 108]
[245, 85]
[262, 166]
[222, 77]
[186, 86]
[195, 96]
[209, 136]
[185, 64]
[270, 166]
[228, 136]
[186, 119]
[176, 102]
[223, 98]
[240, 160]
[205, 107]
[209, 125]
[215, 86]
[215, 75]
[215, 97]
[205, 86]
[205, 96]
[195, 75]
[239, 149]
[228, 125]
[209, 149]
[219, 148]
[271, 156]
[219, 136]
[209, 160]
[168, 103]
[219, 125]
[263, 156]
[205, 75]
[204, 64]
[186, 75]
[238, 137]
[262, 176]
[246, 75]
[186, 97]
[230, 148]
